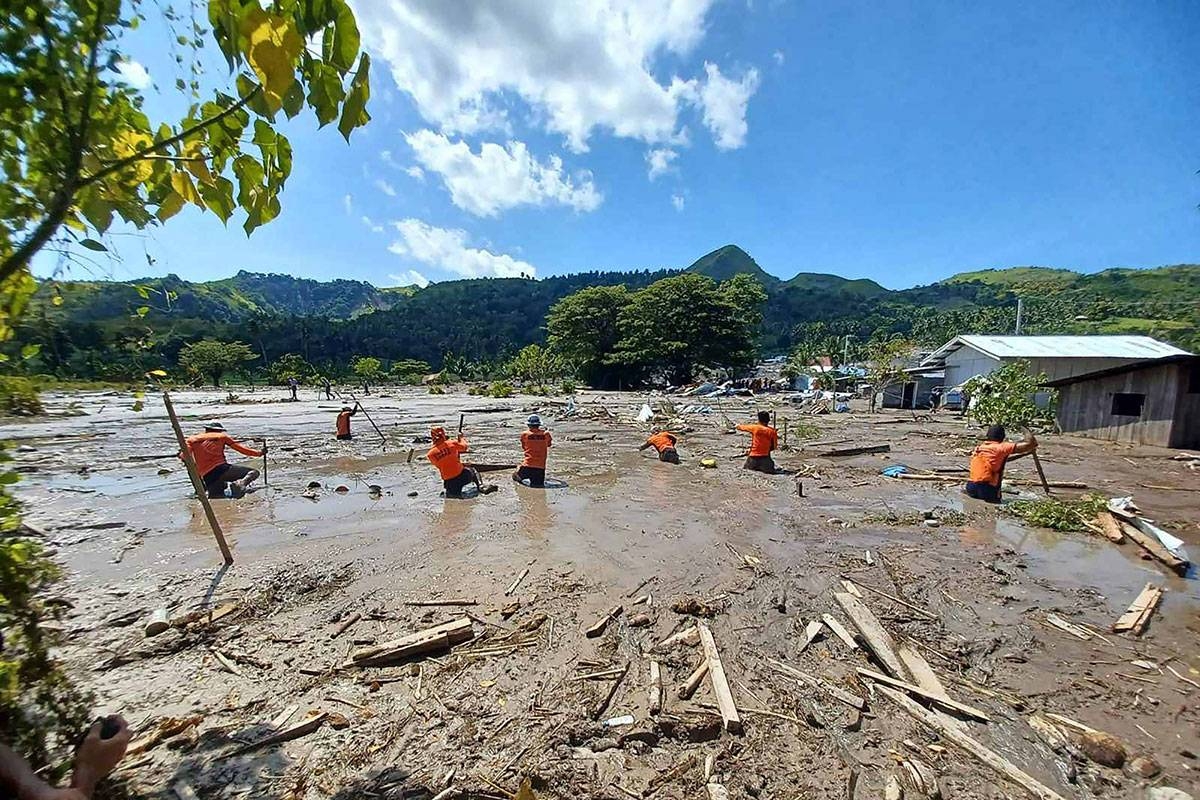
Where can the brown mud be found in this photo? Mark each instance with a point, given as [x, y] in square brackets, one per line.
[509, 707]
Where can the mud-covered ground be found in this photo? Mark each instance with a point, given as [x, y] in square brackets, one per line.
[318, 577]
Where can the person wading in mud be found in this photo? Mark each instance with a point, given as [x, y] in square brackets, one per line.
[208, 450]
[343, 421]
[989, 459]
[294, 385]
[445, 456]
[535, 442]
[328, 389]
[763, 440]
[663, 443]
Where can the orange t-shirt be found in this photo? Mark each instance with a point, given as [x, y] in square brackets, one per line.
[343, 423]
[444, 456]
[662, 441]
[763, 439]
[208, 449]
[535, 444]
[987, 462]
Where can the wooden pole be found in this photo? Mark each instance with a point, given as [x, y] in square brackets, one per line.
[461, 419]
[1037, 463]
[197, 484]
[368, 416]
[264, 447]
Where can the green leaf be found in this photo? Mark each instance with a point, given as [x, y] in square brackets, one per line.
[293, 101]
[143, 292]
[138, 406]
[273, 47]
[157, 373]
[30, 350]
[343, 38]
[171, 205]
[143, 311]
[9, 478]
[325, 93]
[258, 101]
[218, 197]
[354, 111]
[96, 211]
[92, 244]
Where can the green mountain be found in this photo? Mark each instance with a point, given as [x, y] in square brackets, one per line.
[110, 329]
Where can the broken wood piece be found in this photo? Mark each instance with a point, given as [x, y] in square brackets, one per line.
[599, 709]
[688, 636]
[892, 789]
[852, 588]
[856, 451]
[283, 716]
[716, 791]
[311, 722]
[689, 686]
[916, 609]
[877, 638]
[1074, 725]
[849, 698]
[1067, 627]
[839, 630]
[225, 663]
[997, 763]
[158, 623]
[637, 588]
[716, 675]
[512, 587]
[346, 623]
[811, 632]
[945, 702]
[655, 688]
[1137, 617]
[1150, 543]
[440, 637]
[1110, 528]
[184, 791]
[925, 677]
[598, 628]
[921, 778]
[456, 602]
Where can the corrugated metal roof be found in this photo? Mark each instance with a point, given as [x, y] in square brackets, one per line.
[1137, 347]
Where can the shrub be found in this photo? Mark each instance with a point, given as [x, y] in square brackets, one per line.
[567, 387]
[500, 389]
[1060, 515]
[19, 396]
[435, 389]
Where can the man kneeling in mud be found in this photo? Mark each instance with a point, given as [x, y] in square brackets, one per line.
[663, 443]
[763, 441]
[445, 455]
[208, 450]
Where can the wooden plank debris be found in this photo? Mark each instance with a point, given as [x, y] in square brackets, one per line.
[1110, 527]
[925, 677]
[602, 706]
[1137, 617]
[915, 609]
[225, 663]
[997, 763]
[430, 640]
[512, 587]
[311, 722]
[689, 686]
[836, 692]
[1066, 627]
[945, 702]
[598, 628]
[857, 451]
[852, 588]
[877, 638]
[432, 603]
[346, 623]
[1152, 545]
[688, 636]
[720, 685]
[839, 630]
[811, 632]
[655, 688]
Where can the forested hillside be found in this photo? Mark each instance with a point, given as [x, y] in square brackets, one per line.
[100, 329]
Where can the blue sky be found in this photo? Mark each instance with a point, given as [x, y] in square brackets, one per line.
[896, 141]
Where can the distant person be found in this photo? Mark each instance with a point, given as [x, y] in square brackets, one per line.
[988, 462]
[663, 443]
[343, 421]
[95, 758]
[445, 455]
[366, 388]
[328, 389]
[294, 385]
[208, 450]
[536, 444]
[763, 441]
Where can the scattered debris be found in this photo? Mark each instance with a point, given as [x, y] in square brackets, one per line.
[1137, 617]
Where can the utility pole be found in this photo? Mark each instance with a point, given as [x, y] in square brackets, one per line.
[846, 351]
[1020, 313]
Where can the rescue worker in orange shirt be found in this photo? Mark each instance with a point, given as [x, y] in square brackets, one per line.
[763, 441]
[535, 442]
[445, 455]
[989, 459]
[663, 443]
[343, 421]
[208, 451]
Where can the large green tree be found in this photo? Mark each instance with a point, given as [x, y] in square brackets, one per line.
[212, 358]
[585, 328]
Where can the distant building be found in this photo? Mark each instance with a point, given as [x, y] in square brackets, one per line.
[1058, 357]
[1155, 402]
[918, 390]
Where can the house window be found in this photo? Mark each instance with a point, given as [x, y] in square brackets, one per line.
[1127, 405]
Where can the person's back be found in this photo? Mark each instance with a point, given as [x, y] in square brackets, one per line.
[536, 444]
[208, 450]
[986, 473]
[445, 456]
[664, 443]
[343, 422]
[763, 441]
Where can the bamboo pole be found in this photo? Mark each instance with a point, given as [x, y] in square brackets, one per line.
[368, 416]
[197, 484]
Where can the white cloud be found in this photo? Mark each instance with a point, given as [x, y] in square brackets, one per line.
[386, 157]
[724, 102]
[348, 204]
[577, 65]
[501, 177]
[677, 201]
[416, 173]
[133, 74]
[659, 161]
[409, 277]
[385, 187]
[372, 225]
[778, 56]
[447, 248]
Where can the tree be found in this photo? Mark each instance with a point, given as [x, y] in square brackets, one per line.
[367, 368]
[212, 358]
[886, 361]
[584, 328]
[1006, 396]
[79, 149]
[287, 366]
[680, 324]
[536, 365]
[409, 370]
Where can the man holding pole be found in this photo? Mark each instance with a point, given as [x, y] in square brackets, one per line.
[343, 421]
[989, 459]
[446, 456]
[208, 450]
[536, 443]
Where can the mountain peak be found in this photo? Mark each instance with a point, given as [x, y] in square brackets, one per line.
[725, 262]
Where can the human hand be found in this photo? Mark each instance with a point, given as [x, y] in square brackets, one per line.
[96, 757]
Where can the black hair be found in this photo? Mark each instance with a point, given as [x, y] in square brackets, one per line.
[764, 418]
[996, 433]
